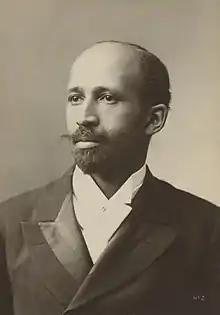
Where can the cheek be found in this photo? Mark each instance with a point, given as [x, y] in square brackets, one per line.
[116, 120]
[71, 119]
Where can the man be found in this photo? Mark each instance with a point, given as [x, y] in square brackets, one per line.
[108, 237]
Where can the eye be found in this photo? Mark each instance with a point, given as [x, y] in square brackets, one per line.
[108, 98]
[75, 99]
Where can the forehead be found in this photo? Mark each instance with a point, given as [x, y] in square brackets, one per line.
[105, 64]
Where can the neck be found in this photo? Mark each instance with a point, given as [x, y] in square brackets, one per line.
[110, 182]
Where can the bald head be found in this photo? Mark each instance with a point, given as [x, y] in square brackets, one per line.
[140, 69]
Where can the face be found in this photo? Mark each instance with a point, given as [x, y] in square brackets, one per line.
[104, 117]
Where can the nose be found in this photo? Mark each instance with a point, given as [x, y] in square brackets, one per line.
[88, 115]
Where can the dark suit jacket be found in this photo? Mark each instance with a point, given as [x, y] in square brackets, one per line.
[163, 259]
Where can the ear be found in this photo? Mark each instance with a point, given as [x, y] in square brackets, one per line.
[157, 116]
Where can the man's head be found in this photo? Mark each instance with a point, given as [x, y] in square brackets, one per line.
[118, 97]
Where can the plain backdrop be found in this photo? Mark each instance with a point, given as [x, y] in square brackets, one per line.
[39, 39]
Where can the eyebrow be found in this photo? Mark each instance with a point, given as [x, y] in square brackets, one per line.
[75, 89]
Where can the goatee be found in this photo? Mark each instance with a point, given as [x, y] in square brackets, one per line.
[90, 160]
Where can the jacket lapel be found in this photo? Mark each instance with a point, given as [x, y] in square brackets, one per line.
[141, 239]
[45, 240]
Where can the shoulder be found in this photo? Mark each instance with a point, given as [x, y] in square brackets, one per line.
[185, 209]
[18, 208]
[178, 197]
[196, 220]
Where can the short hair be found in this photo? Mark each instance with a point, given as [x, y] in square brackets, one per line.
[155, 77]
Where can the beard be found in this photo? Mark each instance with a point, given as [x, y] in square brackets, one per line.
[91, 160]
[113, 152]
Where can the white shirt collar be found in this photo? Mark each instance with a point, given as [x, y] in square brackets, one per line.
[85, 187]
[99, 216]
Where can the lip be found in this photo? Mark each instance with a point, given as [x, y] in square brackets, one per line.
[86, 144]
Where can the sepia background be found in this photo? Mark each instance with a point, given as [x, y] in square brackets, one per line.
[39, 39]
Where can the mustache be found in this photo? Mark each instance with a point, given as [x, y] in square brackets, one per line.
[85, 134]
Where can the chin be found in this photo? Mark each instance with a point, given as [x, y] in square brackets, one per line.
[90, 161]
